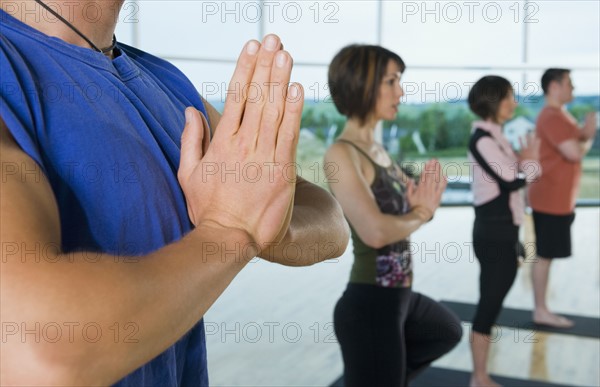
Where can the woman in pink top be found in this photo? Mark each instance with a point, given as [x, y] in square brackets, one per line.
[498, 177]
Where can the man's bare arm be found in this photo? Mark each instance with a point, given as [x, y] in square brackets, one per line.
[155, 300]
[132, 308]
[575, 150]
[318, 229]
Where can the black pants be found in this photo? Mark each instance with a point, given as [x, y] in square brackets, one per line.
[496, 247]
[387, 335]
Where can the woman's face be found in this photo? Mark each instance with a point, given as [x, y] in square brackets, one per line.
[507, 107]
[390, 92]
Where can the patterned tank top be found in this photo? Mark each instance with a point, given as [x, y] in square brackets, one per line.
[389, 266]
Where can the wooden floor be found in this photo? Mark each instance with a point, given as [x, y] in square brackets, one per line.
[273, 325]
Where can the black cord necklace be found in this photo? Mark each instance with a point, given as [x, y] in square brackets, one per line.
[71, 26]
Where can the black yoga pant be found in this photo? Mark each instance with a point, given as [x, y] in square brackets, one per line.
[496, 247]
[388, 335]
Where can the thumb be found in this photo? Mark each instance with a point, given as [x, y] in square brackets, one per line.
[191, 141]
[410, 189]
[206, 137]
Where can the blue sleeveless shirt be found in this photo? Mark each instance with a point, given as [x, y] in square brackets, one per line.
[106, 133]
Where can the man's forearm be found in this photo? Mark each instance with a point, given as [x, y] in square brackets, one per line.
[585, 146]
[113, 314]
[589, 129]
[318, 229]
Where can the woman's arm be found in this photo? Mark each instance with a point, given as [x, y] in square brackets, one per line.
[354, 194]
[497, 164]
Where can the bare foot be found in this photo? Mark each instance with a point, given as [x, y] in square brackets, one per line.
[482, 381]
[552, 320]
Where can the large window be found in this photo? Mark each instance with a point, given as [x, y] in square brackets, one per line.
[447, 46]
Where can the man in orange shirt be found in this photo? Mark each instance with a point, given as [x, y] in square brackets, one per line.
[552, 197]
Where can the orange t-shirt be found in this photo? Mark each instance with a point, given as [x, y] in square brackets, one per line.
[556, 190]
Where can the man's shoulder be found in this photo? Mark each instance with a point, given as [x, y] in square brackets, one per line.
[551, 118]
[549, 112]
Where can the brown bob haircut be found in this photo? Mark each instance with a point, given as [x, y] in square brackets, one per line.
[355, 75]
[486, 95]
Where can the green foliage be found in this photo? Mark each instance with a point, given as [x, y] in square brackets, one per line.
[458, 152]
[320, 117]
[459, 121]
[522, 111]
[594, 152]
[433, 127]
[441, 126]
[444, 130]
[409, 117]
[407, 146]
[579, 111]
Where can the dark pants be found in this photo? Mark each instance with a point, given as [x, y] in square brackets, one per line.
[496, 246]
[388, 335]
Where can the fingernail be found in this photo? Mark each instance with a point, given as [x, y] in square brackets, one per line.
[271, 43]
[188, 115]
[281, 59]
[293, 91]
[252, 47]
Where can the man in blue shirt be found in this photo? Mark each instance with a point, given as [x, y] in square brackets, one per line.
[118, 230]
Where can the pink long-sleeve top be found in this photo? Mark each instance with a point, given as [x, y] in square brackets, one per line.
[496, 167]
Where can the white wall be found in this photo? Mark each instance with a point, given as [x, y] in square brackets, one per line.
[447, 45]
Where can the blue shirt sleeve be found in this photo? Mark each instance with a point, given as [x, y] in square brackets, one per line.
[19, 101]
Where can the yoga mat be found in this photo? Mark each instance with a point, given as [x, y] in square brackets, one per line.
[519, 318]
[443, 377]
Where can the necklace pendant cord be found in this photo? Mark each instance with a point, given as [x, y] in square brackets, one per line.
[71, 26]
